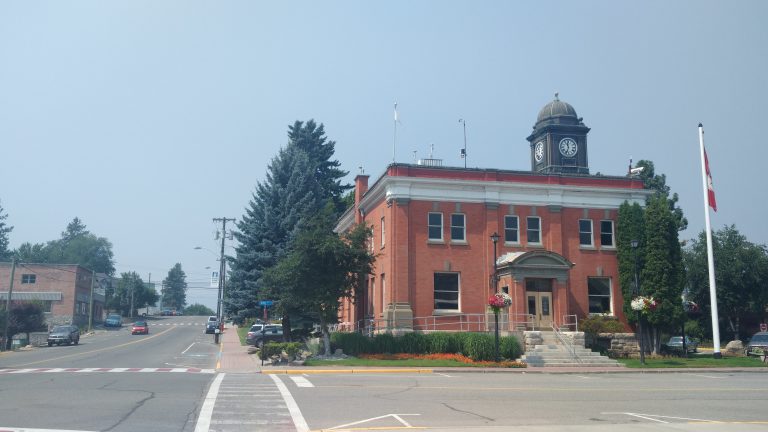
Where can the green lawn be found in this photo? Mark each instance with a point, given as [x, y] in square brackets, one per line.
[697, 361]
[242, 332]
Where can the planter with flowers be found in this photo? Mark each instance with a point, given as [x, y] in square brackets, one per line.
[644, 304]
[497, 302]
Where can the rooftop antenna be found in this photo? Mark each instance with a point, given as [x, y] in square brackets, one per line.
[431, 150]
[464, 150]
[415, 159]
[362, 171]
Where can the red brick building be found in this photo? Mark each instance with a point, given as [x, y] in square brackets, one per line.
[434, 227]
[64, 290]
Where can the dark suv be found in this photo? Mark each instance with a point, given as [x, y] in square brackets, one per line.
[211, 327]
[68, 334]
[270, 333]
[758, 344]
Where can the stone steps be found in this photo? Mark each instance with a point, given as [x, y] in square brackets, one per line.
[549, 352]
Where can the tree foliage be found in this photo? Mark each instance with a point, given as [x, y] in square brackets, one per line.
[322, 268]
[630, 226]
[129, 287]
[76, 246]
[5, 230]
[299, 182]
[198, 310]
[741, 279]
[175, 288]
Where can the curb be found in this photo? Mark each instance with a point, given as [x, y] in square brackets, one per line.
[342, 371]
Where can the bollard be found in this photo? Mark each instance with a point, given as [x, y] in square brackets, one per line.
[216, 336]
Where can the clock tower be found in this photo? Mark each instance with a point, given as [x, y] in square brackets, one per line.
[559, 140]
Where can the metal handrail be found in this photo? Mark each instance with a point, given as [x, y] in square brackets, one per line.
[461, 322]
[571, 320]
[567, 344]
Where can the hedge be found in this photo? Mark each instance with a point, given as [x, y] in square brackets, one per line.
[477, 346]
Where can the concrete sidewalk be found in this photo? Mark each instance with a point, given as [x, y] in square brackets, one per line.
[233, 357]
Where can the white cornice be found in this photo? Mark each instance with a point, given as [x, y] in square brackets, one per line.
[517, 193]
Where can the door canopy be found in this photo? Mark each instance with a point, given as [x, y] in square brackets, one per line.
[534, 264]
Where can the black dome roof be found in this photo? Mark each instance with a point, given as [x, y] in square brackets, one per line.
[556, 108]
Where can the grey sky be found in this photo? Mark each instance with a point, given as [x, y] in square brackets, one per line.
[146, 119]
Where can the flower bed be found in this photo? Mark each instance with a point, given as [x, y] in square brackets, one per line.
[455, 357]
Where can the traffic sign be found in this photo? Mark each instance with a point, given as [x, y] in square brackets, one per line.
[266, 303]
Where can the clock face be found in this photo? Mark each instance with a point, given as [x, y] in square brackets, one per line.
[568, 147]
[538, 152]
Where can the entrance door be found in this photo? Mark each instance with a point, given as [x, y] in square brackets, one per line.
[538, 296]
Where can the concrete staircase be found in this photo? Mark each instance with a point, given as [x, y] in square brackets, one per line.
[552, 353]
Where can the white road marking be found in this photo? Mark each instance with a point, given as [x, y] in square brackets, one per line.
[293, 408]
[7, 429]
[204, 419]
[190, 346]
[651, 417]
[301, 381]
[708, 376]
[445, 375]
[395, 416]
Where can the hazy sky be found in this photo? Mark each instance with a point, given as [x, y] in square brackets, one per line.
[147, 119]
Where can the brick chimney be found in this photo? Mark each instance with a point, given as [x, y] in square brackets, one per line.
[361, 187]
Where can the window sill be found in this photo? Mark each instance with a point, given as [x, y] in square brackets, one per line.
[608, 248]
[445, 312]
[512, 244]
[607, 315]
[587, 247]
[435, 242]
[459, 242]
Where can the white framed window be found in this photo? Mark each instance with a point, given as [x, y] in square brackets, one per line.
[606, 234]
[446, 291]
[585, 232]
[600, 301]
[533, 229]
[511, 229]
[458, 227]
[28, 278]
[435, 226]
[383, 232]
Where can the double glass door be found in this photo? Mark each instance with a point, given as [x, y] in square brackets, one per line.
[538, 296]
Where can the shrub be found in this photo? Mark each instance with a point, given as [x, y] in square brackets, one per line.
[273, 348]
[384, 343]
[412, 343]
[438, 343]
[458, 341]
[601, 324]
[479, 347]
[350, 343]
[509, 347]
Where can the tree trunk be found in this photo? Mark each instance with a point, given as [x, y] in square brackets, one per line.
[286, 321]
[326, 336]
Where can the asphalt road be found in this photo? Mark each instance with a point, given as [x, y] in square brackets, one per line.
[166, 381]
[112, 380]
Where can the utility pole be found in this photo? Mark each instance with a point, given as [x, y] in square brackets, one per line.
[133, 288]
[222, 267]
[8, 305]
[90, 306]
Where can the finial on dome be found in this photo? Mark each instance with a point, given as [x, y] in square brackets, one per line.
[557, 94]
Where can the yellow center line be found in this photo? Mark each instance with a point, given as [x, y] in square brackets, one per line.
[95, 351]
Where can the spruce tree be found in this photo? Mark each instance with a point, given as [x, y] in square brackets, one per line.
[300, 180]
[175, 288]
[630, 226]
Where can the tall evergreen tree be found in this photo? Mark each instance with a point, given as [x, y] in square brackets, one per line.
[175, 288]
[662, 276]
[5, 230]
[300, 180]
[630, 226]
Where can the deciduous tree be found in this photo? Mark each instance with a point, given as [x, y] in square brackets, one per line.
[175, 288]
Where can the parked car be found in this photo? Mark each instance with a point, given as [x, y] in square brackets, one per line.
[140, 327]
[213, 318]
[68, 334]
[676, 342]
[758, 344]
[113, 320]
[211, 326]
[253, 330]
[166, 312]
[270, 333]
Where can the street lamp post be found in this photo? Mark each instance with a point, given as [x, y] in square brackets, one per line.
[495, 240]
[636, 292]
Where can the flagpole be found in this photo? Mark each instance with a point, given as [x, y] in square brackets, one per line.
[710, 256]
[394, 135]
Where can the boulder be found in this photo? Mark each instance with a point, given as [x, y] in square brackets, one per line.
[734, 348]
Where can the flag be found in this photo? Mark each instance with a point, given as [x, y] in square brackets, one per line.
[710, 188]
[397, 116]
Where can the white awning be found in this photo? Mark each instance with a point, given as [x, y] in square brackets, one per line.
[31, 295]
